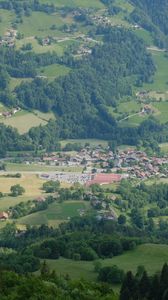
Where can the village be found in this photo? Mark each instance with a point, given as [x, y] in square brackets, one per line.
[100, 165]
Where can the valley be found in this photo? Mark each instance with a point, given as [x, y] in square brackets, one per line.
[83, 149]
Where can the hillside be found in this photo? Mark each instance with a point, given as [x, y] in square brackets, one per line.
[88, 62]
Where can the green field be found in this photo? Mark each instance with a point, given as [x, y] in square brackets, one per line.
[92, 142]
[22, 167]
[75, 3]
[24, 120]
[162, 108]
[145, 35]
[55, 214]
[6, 18]
[14, 82]
[37, 48]
[164, 147]
[54, 71]
[151, 256]
[39, 23]
[160, 77]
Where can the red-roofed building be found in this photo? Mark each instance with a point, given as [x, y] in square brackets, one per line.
[105, 179]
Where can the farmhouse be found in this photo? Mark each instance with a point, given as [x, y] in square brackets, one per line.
[40, 199]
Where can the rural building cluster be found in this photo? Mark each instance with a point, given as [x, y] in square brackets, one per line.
[104, 166]
[9, 38]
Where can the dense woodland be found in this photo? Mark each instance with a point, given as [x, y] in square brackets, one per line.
[153, 16]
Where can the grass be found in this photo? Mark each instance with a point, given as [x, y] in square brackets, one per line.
[24, 120]
[37, 48]
[92, 142]
[14, 82]
[162, 107]
[75, 3]
[31, 183]
[6, 18]
[39, 23]
[22, 167]
[145, 35]
[54, 71]
[151, 256]
[160, 77]
[55, 214]
[164, 147]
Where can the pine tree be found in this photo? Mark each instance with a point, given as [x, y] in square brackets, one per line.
[45, 271]
[129, 289]
[163, 280]
[144, 286]
[155, 287]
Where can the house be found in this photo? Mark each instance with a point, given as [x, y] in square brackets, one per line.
[4, 216]
[46, 41]
[40, 199]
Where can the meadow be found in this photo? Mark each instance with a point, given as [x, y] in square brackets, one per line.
[91, 142]
[39, 24]
[54, 71]
[75, 3]
[151, 256]
[55, 214]
[31, 182]
[23, 167]
[24, 120]
[6, 17]
[160, 77]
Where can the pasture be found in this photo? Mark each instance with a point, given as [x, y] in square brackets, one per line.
[145, 35]
[24, 120]
[151, 256]
[92, 142]
[37, 48]
[34, 167]
[31, 183]
[55, 214]
[54, 71]
[160, 78]
[76, 3]
[39, 24]
[6, 18]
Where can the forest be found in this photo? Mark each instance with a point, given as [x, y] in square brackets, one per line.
[153, 15]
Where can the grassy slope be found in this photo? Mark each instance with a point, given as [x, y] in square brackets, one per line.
[23, 120]
[54, 71]
[150, 255]
[160, 78]
[75, 3]
[55, 214]
[6, 18]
